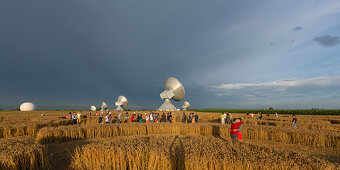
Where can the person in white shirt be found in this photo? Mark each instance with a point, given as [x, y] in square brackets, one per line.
[107, 119]
[151, 118]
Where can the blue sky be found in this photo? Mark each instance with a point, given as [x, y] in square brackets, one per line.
[228, 54]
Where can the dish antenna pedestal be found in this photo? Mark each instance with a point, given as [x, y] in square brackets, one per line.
[167, 106]
[121, 103]
[173, 90]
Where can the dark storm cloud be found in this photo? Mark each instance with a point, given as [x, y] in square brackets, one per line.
[84, 52]
[297, 28]
[328, 40]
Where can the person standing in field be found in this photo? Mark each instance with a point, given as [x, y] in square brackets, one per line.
[252, 114]
[259, 116]
[184, 117]
[147, 118]
[141, 118]
[138, 118]
[100, 120]
[222, 118]
[126, 117]
[239, 120]
[74, 118]
[190, 118]
[234, 129]
[163, 119]
[156, 117]
[107, 119]
[276, 114]
[228, 118]
[79, 116]
[294, 121]
[119, 120]
[133, 118]
[152, 117]
[225, 117]
[169, 117]
[196, 118]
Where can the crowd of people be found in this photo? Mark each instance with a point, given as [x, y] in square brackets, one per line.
[191, 118]
[135, 117]
[236, 124]
[150, 118]
[259, 115]
[76, 117]
[226, 118]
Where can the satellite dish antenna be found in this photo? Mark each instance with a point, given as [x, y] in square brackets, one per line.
[122, 102]
[104, 106]
[173, 90]
[186, 105]
[27, 106]
[93, 108]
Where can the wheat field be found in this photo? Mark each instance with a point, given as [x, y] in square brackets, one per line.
[31, 141]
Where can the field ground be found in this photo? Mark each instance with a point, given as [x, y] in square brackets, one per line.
[31, 141]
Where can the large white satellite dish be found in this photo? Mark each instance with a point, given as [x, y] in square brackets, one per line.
[27, 106]
[173, 90]
[122, 102]
[93, 108]
[104, 106]
[186, 105]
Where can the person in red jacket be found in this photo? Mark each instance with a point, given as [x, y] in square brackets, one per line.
[234, 129]
[133, 118]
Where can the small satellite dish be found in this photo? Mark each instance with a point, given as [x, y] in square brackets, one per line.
[173, 90]
[93, 108]
[122, 102]
[104, 106]
[27, 106]
[186, 105]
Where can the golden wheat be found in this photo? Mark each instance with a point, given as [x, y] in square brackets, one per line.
[22, 153]
[173, 152]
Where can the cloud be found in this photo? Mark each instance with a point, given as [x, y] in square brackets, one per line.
[299, 93]
[297, 28]
[318, 81]
[327, 40]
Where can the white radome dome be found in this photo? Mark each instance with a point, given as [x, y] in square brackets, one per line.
[27, 106]
[93, 108]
